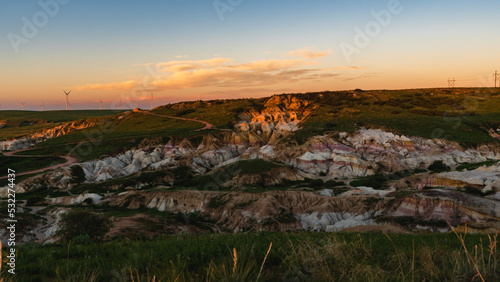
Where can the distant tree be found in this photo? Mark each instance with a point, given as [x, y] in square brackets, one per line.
[77, 174]
[84, 223]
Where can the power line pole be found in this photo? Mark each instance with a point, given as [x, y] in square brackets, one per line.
[497, 78]
[451, 83]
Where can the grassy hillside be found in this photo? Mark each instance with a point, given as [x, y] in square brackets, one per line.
[27, 164]
[115, 135]
[462, 114]
[23, 122]
[459, 114]
[221, 113]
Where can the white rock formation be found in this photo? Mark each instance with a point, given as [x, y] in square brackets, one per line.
[341, 156]
[40, 136]
[334, 221]
[362, 190]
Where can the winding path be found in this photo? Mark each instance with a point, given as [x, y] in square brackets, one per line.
[207, 124]
[69, 160]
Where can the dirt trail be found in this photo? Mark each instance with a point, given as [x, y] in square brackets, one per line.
[207, 124]
[69, 160]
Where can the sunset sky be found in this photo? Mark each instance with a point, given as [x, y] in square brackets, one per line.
[205, 49]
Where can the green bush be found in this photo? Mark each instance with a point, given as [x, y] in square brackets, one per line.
[377, 181]
[438, 166]
[82, 223]
[184, 112]
[77, 174]
[33, 201]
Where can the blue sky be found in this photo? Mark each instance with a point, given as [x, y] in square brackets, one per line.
[183, 50]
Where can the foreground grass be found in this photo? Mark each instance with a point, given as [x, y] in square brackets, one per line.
[239, 257]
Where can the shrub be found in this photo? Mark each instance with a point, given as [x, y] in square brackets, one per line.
[183, 177]
[81, 223]
[184, 112]
[33, 201]
[316, 183]
[217, 202]
[406, 106]
[88, 201]
[333, 183]
[77, 174]
[377, 181]
[438, 166]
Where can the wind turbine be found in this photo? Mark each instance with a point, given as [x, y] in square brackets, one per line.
[23, 105]
[100, 104]
[67, 94]
[151, 100]
[41, 106]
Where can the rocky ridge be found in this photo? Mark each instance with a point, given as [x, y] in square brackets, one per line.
[40, 136]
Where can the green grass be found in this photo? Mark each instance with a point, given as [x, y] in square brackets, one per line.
[379, 181]
[473, 166]
[23, 164]
[56, 116]
[20, 123]
[445, 114]
[42, 192]
[221, 113]
[293, 256]
[115, 136]
[255, 166]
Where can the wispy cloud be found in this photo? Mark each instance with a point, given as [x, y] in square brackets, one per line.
[350, 68]
[271, 65]
[125, 85]
[225, 72]
[308, 53]
[222, 72]
[363, 76]
[177, 66]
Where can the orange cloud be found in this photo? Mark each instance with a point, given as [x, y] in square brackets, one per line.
[308, 53]
[216, 72]
[271, 65]
[350, 68]
[126, 85]
[175, 66]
